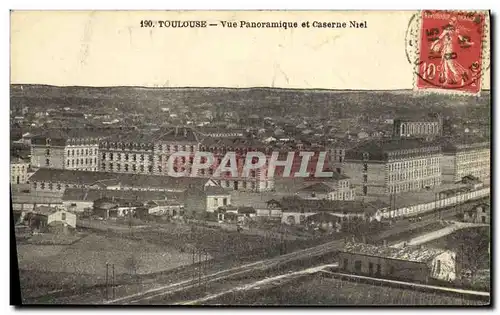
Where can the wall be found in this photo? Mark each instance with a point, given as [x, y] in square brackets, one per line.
[57, 216]
[18, 171]
[214, 202]
[448, 168]
[400, 269]
[443, 266]
[39, 157]
[376, 177]
[269, 212]
[442, 203]
[82, 157]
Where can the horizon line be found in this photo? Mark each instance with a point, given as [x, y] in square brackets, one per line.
[205, 87]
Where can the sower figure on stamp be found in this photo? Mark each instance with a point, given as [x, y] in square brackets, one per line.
[446, 46]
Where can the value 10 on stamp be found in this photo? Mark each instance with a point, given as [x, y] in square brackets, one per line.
[450, 51]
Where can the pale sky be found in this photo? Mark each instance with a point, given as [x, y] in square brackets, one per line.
[111, 49]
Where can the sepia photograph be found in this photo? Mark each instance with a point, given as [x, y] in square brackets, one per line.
[251, 158]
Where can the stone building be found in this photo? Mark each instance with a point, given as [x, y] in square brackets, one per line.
[408, 263]
[74, 149]
[18, 171]
[405, 128]
[146, 152]
[466, 156]
[256, 181]
[388, 167]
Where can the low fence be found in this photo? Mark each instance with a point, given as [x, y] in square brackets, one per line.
[438, 204]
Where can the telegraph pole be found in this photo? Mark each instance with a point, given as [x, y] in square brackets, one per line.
[205, 270]
[199, 267]
[113, 281]
[107, 268]
[194, 267]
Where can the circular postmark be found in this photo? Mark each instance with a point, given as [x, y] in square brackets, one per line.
[448, 49]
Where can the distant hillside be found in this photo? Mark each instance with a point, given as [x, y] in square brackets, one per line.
[261, 101]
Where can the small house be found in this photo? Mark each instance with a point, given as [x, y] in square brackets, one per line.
[43, 216]
[409, 263]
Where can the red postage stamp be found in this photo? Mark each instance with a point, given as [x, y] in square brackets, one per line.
[450, 54]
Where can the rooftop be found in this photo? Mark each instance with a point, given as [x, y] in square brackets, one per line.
[81, 194]
[408, 253]
[112, 179]
[176, 134]
[46, 210]
[233, 143]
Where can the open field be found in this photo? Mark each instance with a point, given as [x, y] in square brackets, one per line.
[91, 253]
[45, 268]
[319, 290]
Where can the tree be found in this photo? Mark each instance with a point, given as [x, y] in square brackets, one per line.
[472, 248]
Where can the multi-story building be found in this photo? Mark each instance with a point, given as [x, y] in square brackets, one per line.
[466, 156]
[74, 149]
[145, 152]
[337, 154]
[394, 166]
[18, 170]
[257, 179]
[405, 128]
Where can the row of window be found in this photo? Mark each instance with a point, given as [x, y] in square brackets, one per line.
[176, 148]
[415, 185]
[471, 156]
[78, 152]
[215, 202]
[126, 156]
[17, 168]
[413, 163]
[421, 151]
[81, 161]
[342, 196]
[419, 128]
[474, 164]
[165, 148]
[414, 174]
[49, 185]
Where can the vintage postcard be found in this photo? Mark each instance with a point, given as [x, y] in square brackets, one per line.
[250, 158]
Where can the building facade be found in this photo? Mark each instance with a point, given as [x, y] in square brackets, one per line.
[390, 167]
[409, 263]
[72, 149]
[18, 171]
[146, 152]
[257, 181]
[468, 156]
[410, 128]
